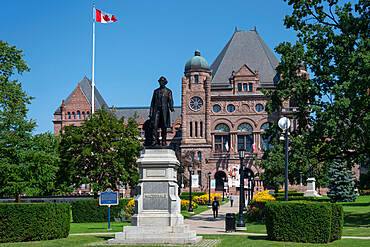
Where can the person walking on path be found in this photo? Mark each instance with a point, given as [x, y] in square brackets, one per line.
[231, 199]
[215, 206]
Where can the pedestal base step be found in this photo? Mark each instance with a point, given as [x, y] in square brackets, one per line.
[156, 235]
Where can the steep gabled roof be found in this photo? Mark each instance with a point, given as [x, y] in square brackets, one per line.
[85, 86]
[245, 47]
[128, 112]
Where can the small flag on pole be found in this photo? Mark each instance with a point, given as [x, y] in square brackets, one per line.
[227, 146]
[232, 148]
[254, 146]
[103, 17]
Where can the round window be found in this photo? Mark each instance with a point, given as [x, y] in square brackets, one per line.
[216, 108]
[230, 108]
[259, 107]
[196, 103]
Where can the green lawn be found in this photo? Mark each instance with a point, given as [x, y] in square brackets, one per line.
[357, 217]
[226, 240]
[97, 227]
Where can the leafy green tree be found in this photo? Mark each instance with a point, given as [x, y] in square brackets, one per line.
[15, 128]
[102, 152]
[334, 104]
[42, 163]
[341, 183]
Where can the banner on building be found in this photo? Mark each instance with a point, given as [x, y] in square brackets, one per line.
[213, 183]
[194, 181]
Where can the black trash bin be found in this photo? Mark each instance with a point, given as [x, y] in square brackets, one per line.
[230, 222]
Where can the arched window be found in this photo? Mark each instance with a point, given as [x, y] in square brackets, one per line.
[200, 156]
[69, 115]
[83, 115]
[245, 127]
[74, 115]
[192, 156]
[245, 139]
[78, 114]
[264, 139]
[222, 128]
[222, 140]
[88, 115]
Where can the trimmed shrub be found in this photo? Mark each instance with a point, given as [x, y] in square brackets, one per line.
[21, 222]
[90, 211]
[364, 192]
[185, 195]
[290, 194]
[303, 198]
[313, 222]
[185, 204]
[337, 221]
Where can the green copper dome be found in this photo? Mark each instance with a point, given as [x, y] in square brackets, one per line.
[197, 63]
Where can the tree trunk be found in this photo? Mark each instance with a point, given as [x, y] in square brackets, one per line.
[17, 198]
[95, 195]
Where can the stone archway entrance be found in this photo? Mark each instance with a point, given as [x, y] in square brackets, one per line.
[219, 181]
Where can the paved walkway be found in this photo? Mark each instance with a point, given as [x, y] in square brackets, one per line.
[204, 223]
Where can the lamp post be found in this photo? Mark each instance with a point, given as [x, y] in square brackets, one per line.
[241, 196]
[284, 124]
[209, 189]
[223, 189]
[300, 182]
[190, 210]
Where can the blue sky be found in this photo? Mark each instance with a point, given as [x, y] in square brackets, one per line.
[150, 39]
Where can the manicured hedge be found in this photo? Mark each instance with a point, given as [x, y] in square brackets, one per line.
[21, 222]
[303, 198]
[313, 222]
[290, 194]
[185, 195]
[90, 211]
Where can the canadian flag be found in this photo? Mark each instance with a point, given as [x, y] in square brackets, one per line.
[103, 17]
[254, 146]
[227, 146]
[232, 148]
[259, 147]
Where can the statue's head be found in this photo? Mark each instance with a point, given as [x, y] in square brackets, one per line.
[162, 81]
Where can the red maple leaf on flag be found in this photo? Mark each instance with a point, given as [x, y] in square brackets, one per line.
[113, 18]
[106, 18]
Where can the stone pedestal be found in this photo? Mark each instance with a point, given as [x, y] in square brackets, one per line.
[157, 218]
[311, 188]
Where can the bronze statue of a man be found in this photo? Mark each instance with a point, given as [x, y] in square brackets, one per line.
[162, 104]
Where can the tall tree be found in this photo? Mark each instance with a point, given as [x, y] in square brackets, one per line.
[334, 104]
[15, 128]
[341, 183]
[102, 152]
[42, 163]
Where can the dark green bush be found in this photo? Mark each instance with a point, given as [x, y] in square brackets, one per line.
[185, 195]
[337, 221]
[313, 222]
[90, 211]
[21, 222]
[303, 198]
[364, 192]
[290, 194]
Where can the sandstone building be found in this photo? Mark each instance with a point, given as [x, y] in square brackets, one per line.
[222, 110]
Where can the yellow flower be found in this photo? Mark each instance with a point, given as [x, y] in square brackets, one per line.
[263, 196]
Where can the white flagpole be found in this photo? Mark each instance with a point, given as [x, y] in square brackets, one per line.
[93, 66]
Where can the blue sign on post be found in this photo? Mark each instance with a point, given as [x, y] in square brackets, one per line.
[108, 198]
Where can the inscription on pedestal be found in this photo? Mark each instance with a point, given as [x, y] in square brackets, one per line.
[155, 196]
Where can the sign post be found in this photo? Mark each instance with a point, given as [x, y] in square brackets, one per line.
[108, 198]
